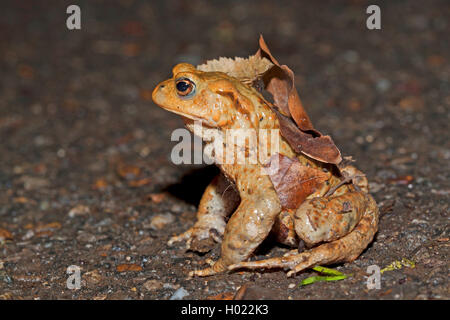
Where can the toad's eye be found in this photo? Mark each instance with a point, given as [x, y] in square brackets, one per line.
[185, 87]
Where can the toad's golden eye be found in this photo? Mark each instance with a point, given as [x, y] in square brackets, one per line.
[185, 87]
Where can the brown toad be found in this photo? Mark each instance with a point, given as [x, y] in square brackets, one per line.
[335, 222]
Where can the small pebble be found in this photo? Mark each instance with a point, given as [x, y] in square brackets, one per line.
[86, 237]
[153, 285]
[179, 294]
[79, 210]
[161, 220]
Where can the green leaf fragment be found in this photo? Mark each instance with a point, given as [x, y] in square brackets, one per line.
[328, 271]
[330, 275]
[396, 265]
[315, 279]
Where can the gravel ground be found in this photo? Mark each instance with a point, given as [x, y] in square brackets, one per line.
[85, 171]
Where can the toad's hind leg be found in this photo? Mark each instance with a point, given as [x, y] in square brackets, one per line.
[334, 221]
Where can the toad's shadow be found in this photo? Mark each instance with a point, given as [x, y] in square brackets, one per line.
[192, 185]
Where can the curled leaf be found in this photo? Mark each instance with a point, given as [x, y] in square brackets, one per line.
[246, 70]
[320, 148]
[280, 83]
[300, 133]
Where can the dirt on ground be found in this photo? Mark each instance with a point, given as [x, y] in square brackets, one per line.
[86, 178]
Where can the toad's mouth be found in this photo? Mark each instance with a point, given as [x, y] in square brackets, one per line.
[190, 121]
[188, 118]
[201, 129]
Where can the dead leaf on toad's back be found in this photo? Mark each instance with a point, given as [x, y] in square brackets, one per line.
[295, 125]
[318, 148]
[279, 81]
[293, 181]
[245, 69]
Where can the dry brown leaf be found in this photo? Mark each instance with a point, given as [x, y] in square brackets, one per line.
[128, 172]
[100, 184]
[128, 267]
[321, 148]
[293, 181]
[45, 233]
[222, 296]
[246, 70]
[303, 137]
[140, 182]
[241, 292]
[5, 235]
[21, 200]
[47, 227]
[133, 175]
[280, 83]
[157, 197]
[402, 180]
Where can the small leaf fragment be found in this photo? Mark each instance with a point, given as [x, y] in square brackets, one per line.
[222, 296]
[397, 265]
[330, 275]
[128, 267]
[327, 271]
[315, 279]
[5, 235]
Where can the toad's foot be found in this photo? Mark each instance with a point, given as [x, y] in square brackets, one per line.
[215, 267]
[200, 239]
[345, 249]
[181, 237]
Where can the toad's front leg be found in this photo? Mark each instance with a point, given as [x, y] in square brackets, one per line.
[246, 229]
[218, 201]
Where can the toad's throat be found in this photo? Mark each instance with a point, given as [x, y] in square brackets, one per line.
[202, 129]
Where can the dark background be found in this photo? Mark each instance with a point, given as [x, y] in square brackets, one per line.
[78, 130]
